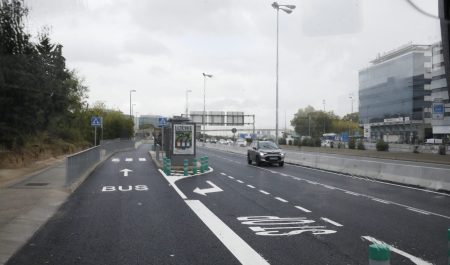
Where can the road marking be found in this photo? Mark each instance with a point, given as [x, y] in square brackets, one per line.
[128, 159]
[122, 188]
[264, 192]
[331, 221]
[415, 260]
[172, 183]
[250, 186]
[329, 187]
[141, 159]
[302, 209]
[203, 192]
[352, 193]
[284, 175]
[235, 244]
[115, 160]
[223, 174]
[125, 171]
[240, 181]
[231, 177]
[382, 201]
[418, 211]
[281, 199]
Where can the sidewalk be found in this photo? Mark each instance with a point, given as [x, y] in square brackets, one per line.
[27, 201]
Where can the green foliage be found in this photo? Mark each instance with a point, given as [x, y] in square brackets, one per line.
[296, 142]
[290, 142]
[351, 143]
[282, 141]
[382, 145]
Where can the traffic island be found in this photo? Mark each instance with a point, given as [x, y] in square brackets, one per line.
[198, 167]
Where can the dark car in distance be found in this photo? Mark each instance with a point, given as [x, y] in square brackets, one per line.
[265, 152]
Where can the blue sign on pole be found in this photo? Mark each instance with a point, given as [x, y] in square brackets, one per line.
[162, 122]
[438, 108]
[96, 121]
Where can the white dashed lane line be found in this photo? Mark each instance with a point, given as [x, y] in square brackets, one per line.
[240, 181]
[280, 199]
[331, 221]
[418, 211]
[250, 186]
[223, 174]
[230, 177]
[302, 209]
[264, 192]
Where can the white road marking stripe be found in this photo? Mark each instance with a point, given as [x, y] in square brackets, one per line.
[329, 187]
[264, 192]
[250, 186]
[331, 221]
[223, 174]
[128, 159]
[230, 177]
[281, 199]
[115, 160]
[284, 175]
[418, 211]
[415, 260]
[172, 183]
[240, 181]
[352, 193]
[235, 244]
[302, 209]
[141, 159]
[382, 201]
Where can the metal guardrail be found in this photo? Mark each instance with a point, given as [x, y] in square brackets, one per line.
[80, 163]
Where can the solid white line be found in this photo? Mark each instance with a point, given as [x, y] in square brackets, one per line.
[250, 186]
[223, 174]
[284, 175]
[415, 260]
[240, 181]
[235, 244]
[264, 192]
[352, 193]
[281, 199]
[331, 221]
[173, 185]
[382, 201]
[303, 209]
[418, 211]
[329, 187]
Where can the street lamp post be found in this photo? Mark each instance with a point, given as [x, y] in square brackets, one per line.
[131, 91]
[204, 104]
[288, 9]
[187, 92]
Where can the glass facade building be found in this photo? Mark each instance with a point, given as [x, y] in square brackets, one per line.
[392, 93]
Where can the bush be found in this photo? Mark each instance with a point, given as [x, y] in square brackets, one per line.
[305, 142]
[351, 143]
[361, 145]
[290, 142]
[296, 142]
[316, 142]
[282, 141]
[382, 145]
[442, 149]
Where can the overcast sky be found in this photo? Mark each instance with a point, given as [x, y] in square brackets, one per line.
[161, 49]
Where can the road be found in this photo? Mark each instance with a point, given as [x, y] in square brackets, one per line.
[237, 214]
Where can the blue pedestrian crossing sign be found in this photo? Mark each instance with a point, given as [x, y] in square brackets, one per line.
[96, 121]
[162, 122]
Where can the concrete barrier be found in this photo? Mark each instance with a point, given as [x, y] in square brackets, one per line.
[434, 178]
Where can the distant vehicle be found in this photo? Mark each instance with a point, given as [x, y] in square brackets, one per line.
[230, 142]
[213, 140]
[241, 142]
[222, 141]
[265, 152]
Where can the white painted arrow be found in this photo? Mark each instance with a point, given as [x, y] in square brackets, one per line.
[125, 172]
[208, 190]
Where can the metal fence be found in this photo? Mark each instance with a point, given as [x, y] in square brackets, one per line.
[80, 163]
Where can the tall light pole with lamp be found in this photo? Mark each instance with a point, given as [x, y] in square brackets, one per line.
[204, 104]
[187, 101]
[288, 9]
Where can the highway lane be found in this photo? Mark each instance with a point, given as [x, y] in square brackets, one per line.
[413, 221]
[113, 219]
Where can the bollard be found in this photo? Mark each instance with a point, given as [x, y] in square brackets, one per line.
[206, 163]
[164, 165]
[194, 166]
[448, 251]
[202, 164]
[185, 167]
[379, 254]
[169, 167]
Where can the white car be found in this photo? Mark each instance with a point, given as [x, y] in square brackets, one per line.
[241, 142]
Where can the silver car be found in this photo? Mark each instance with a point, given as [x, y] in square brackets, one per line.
[265, 152]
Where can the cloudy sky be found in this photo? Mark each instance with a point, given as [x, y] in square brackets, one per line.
[161, 49]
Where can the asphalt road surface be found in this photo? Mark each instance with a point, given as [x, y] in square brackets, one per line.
[238, 214]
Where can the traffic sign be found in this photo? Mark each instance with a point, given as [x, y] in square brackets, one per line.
[162, 122]
[233, 130]
[96, 121]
